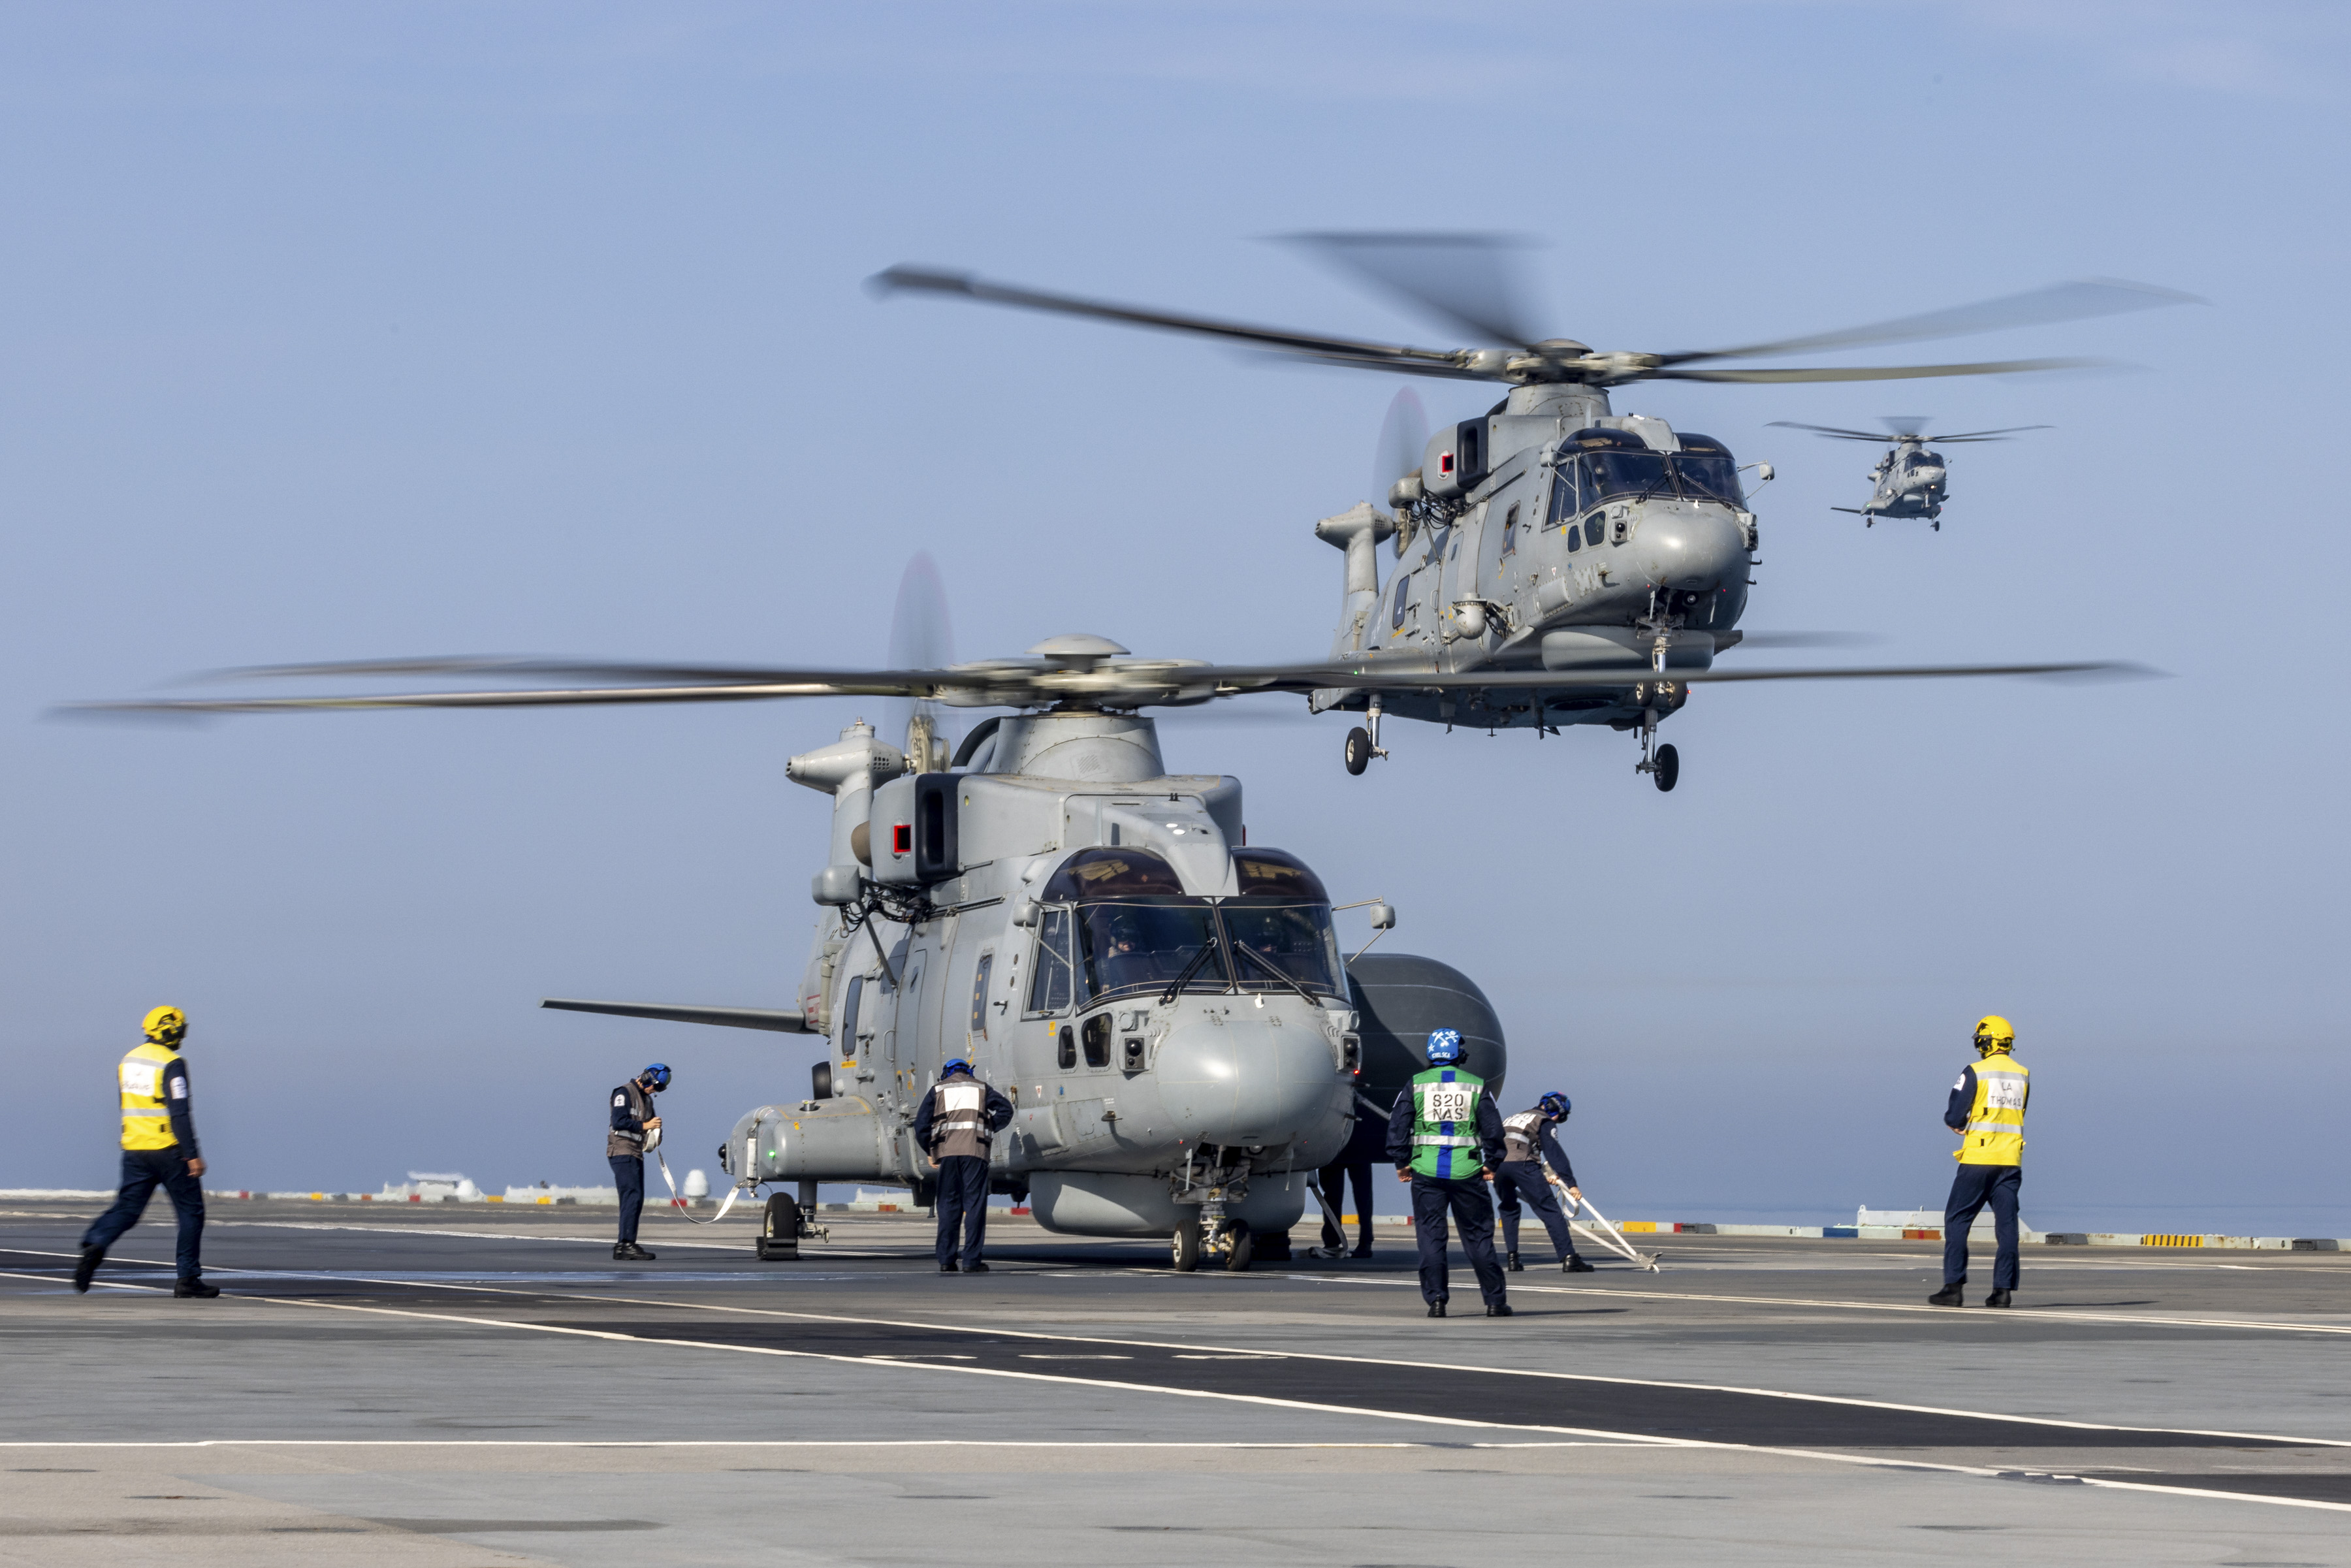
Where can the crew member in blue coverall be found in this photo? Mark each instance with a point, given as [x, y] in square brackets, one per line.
[1987, 1110]
[1446, 1137]
[1363, 1147]
[635, 1127]
[1529, 1141]
[959, 1119]
[159, 1149]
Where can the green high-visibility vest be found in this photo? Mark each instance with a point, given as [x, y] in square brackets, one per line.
[1445, 1123]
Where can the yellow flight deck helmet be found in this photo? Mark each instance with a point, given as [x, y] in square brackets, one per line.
[1994, 1032]
[165, 1026]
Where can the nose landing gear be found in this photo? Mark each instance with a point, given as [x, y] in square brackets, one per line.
[1364, 744]
[1662, 763]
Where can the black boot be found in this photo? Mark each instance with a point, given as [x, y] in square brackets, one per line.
[950, 1266]
[630, 1252]
[1498, 1310]
[1997, 1299]
[1576, 1265]
[1514, 1266]
[193, 1285]
[86, 1267]
[1949, 1296]
[1436, 1309]
[975, 1268]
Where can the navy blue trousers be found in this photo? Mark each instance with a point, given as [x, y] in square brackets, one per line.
[144, 1170]
[629, 1176]
[1523, 1181]
[1334, 1188]
[962, 1201]
[1974, 1187]
[1473, 1216]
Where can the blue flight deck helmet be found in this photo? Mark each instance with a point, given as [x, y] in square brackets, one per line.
[1556, 1105]
[655, 1077]
[1443, 1047]
[955, 1065]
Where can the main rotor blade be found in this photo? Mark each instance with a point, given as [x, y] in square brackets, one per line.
[516, 666]
[1530, 680]
[1142, 683]
[1830, 430]
[1313, 345]
[578, 697]
[2035, 308]
[1987, 434]
[1878, 373]
[1465, 280]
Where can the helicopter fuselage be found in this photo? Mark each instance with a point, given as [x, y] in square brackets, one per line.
[1909, 482]
[1043, 915]
[1586, 543]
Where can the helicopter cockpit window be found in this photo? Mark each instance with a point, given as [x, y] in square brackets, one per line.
[1149, 946]
[1403, 602]
[1050, 981]
[1623, 474]
[1706, 475]
[1112, 874]
[1510, 531]
[1562, 495]
[1279, 926]
[1277, 873]
[1275, 944]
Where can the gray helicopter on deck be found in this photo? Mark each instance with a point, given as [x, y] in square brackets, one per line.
[1910, 479]
[1166, 1002]
[1556, 562]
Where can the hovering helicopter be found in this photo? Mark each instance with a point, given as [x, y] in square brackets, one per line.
[1550, 540]
[1910, 479]
[1166, 1002]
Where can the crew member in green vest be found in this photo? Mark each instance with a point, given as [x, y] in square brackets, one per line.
[1987, 1110]
[159, 1149]
[1445, 1138]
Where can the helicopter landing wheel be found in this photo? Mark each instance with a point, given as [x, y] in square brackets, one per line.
[1669, 767]
[1239, 1247]
[1359, 750]
[1184, 1248]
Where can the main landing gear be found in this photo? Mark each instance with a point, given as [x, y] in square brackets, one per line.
[1364, 744]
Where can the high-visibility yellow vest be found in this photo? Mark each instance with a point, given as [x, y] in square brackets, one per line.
[1995, 1130]
[146, 1115]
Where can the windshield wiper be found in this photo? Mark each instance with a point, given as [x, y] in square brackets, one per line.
[1190, 969]
[1268, 965]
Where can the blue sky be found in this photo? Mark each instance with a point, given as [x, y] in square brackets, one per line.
[343, 333]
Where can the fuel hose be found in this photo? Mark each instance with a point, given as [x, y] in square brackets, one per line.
[677, 1203]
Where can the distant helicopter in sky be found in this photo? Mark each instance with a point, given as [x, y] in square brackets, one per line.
[1910, 478]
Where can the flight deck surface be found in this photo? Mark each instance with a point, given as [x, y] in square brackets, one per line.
[474, 1384]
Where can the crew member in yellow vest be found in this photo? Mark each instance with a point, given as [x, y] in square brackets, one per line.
[159, 1149]
[1987, 1110]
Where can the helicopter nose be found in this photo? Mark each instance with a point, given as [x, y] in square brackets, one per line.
[1695, 547]
[1248, 1080]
